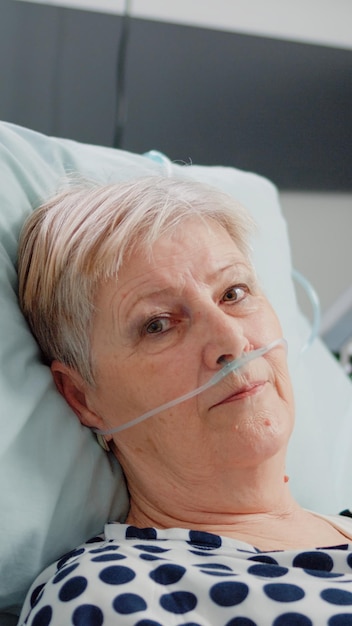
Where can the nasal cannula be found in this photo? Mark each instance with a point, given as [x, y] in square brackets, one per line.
[229, 367]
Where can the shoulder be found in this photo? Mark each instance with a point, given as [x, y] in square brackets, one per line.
[116, 570]
[342, 522]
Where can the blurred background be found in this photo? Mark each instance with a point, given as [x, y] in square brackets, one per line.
[262, 86]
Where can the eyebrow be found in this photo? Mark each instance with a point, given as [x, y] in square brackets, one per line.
[246, 269]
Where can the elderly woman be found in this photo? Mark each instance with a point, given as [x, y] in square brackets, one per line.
[139, 294]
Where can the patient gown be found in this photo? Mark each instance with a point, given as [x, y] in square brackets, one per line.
[149, 577]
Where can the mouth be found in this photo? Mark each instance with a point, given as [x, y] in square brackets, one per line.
[246, 391]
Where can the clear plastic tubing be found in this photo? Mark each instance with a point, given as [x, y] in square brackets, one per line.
[229, 367]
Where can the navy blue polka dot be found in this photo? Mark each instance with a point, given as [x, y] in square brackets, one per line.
[96, 540]
[349, 559]
[36, 595]
[314, 560]
[148, 622]
[337, 596]
[267, 571]
[105, 549]
[282, 592]
[203, 540]
[107, 557]
[150, 557]
[263, 558]
[217, 574]
[68, 556]
[128, 603]
[343, 619]
[152, 549]
[205, 553]
[179, 602]
[117, 575]
[43, 617]
[215, 569]
[132, 532]
[88, 615]
[214, 566]
[64, 572]
[317, 573]
[73, 588]
[241, 621]
[292, 619]
[167, 574]
[229, 593]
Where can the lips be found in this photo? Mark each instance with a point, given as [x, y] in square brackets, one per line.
[246, 391]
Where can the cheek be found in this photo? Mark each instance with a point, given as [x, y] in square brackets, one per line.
[270, 322]
[116, 393]
[284, 386]
[171, 437]
[125, 393]
[177, 436]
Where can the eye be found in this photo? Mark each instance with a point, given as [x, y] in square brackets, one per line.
[235, 293]
[156, 326]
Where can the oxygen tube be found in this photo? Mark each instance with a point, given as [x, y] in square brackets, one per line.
[228, 368]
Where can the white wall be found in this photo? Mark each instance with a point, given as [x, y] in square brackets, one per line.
[320, 229]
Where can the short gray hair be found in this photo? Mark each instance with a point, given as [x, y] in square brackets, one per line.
[81, 237]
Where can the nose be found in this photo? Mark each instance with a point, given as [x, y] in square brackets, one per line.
[224, 337]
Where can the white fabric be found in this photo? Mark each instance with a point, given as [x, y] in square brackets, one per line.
[146, 577]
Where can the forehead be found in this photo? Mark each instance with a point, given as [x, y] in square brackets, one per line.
[196, 253]
[195, 247]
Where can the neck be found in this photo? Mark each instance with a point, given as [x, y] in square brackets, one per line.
[287, 527]
[253, 505]
[212, 504]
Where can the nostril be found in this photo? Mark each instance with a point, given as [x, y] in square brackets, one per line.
[222, 360]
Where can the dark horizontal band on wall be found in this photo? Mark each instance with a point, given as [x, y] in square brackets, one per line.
[279, 108]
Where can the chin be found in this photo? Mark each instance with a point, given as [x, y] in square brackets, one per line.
[259, 434]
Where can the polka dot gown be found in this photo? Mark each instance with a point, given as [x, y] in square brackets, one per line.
[171, 577]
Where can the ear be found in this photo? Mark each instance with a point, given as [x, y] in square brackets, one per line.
[75, 390]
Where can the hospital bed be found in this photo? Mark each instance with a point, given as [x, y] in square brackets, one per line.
[57, 487]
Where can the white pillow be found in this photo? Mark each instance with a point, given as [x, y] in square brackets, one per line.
[57, 487]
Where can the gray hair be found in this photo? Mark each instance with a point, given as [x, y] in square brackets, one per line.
[81, 237]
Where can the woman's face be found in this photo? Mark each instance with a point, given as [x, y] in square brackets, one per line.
[163, 328]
